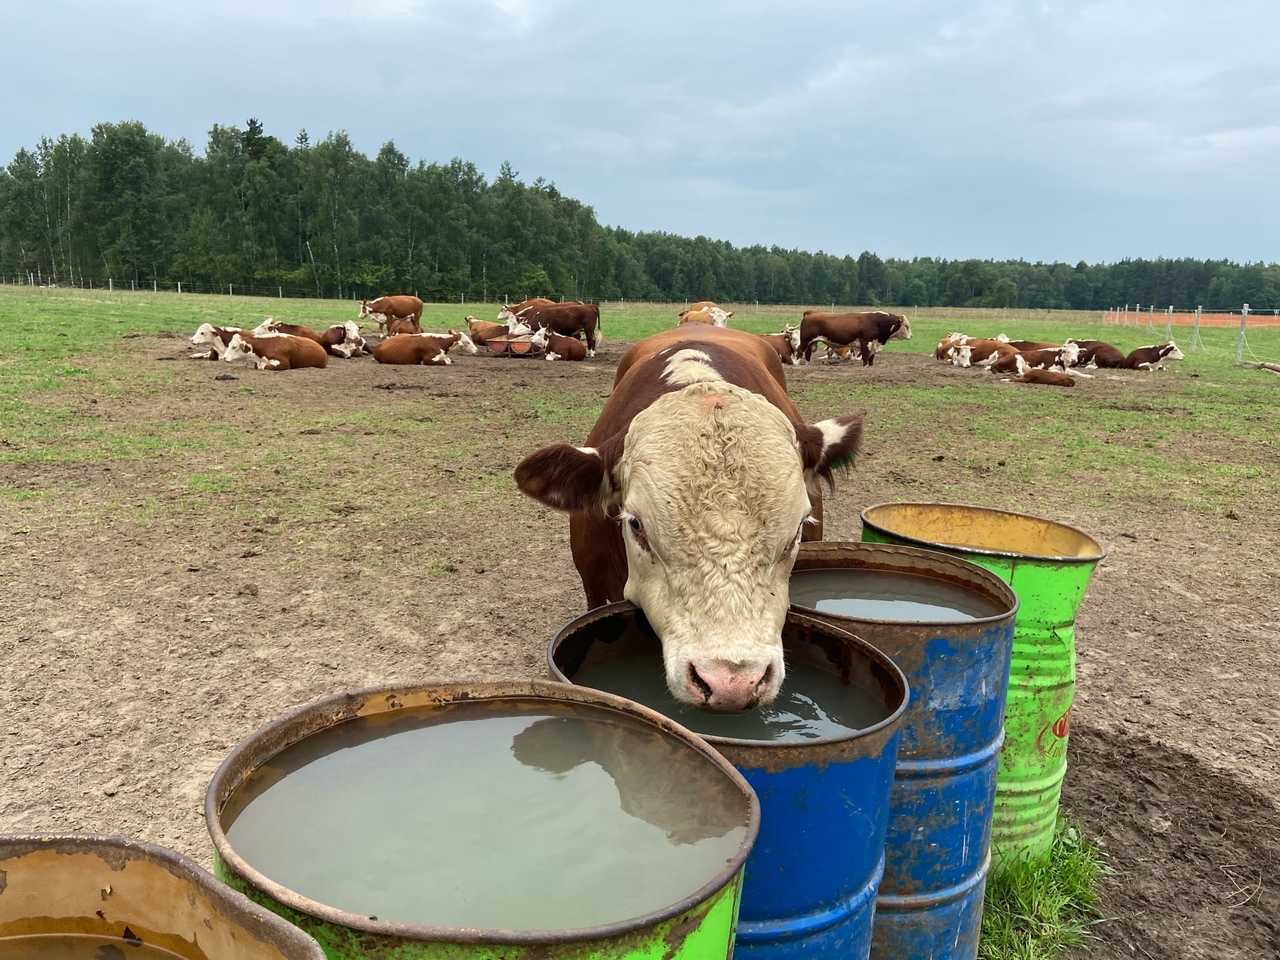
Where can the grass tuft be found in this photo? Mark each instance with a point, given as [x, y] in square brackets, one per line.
[1037, 911]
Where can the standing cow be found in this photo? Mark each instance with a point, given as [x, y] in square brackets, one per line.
[568, 319]
[385, 309]
[870, 331]
[690, 498]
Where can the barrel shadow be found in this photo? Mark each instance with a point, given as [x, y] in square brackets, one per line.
[1196, 852]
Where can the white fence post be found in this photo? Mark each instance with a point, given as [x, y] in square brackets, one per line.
[1244, 319]
[1195, 331]
[111, 285]
[1168, 323]
[1151, 314]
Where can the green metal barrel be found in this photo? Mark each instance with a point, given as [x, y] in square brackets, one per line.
[80, 895]
[699, 927]
[1048, 565]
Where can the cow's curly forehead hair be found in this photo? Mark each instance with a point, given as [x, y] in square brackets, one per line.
[695, 452]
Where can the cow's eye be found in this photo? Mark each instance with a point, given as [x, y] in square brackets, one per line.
[636, 526]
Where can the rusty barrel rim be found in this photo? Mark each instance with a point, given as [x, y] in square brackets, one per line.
[1097, 551]
[324, 713]
[923, 563]
[741, 748]
[256, 920]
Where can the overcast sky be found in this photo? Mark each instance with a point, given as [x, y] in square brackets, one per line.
[1046, 130]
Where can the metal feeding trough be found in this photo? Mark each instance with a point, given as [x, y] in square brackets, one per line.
[514, 346]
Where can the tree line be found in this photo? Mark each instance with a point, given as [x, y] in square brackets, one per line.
[322, 219]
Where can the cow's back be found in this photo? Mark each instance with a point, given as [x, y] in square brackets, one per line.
[752, 348]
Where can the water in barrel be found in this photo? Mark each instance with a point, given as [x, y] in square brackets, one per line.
[524, 815]
[812, 703]
[63, 946]
[880, 595]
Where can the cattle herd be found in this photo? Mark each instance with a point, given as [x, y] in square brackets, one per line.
[1052, 364]
[557, 331]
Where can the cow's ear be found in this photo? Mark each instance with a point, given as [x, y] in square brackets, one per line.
[829, 446]
[571, 478]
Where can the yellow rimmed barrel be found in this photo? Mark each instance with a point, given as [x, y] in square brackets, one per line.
[76, 895]
[1048, 565]
[697, 923]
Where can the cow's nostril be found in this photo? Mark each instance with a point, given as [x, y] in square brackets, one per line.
[765, 679]
[703, 687]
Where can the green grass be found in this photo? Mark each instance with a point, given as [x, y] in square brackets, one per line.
[1039, 911]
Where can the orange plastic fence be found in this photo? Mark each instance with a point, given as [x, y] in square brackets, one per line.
[1259, 319]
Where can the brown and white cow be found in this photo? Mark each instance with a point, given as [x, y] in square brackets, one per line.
[385, 309]
[1152, 357]
[712, 315]
[482, 331]
[518, 311]
[401, 326]
[1049, 378]
[871, 331]
[276, 351]
[1098, 353]
[981, 352]
[420, 348]
[568, 319]
[1022, 346]
[1046, 359]
[339, 340]
[786, 343]
[214, 337]
[690, 498]
[557, 347]
[946, 346]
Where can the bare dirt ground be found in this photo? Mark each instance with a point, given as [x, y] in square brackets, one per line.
[141, 638]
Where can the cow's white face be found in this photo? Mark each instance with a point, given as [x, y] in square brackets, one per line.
[237, 349]
[539, 339]
[793, 337]
[1070, 354]
[269, 325]
[903, 332]
[719, 318]
[467, 343]
[960, 356]
[1174, 353]
[206, 334]
[711, 492]
[505, 315]
[518, 328]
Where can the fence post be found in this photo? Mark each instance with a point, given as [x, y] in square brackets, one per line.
[231, 289]
[179, 286]
[111, 285]
[1244, 318]
[1151, 313]
[1168, 323]
[1126, 314]
[1195, 331]
[280, 292]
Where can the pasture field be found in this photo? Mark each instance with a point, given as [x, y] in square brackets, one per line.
[188, 549]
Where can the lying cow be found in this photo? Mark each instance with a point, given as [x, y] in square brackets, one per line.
[401, 326]
[1049, 378]
[947, 345]
[482, 331]
[568, 319]
[214, 337]
[1097, 353]
[690, 498]
[713, 316]
[870, 331]
[275, 351]
[786, 344]
[557, 347]
[1045, 359]
[385, 309]
[1022, 346]
[339, 340]
[980, 352]
[1152, 357]
[421, 348]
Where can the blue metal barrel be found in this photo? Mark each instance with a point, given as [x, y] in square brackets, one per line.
[938, 843]
[812, 876]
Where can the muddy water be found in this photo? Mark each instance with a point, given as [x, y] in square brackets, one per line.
[519, 818]
[812, 703]
[876, 595]
[57, 946]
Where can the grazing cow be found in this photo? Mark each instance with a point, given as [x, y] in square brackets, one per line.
[568, 319]
[690, 498]
[981, 352]
[786, 343]
[1047, 359]
[276, 351]
[215, 337]
[385, 309]
[843, 329]
[1097, 353]
[420, 348]
[1152, 357]
[339, 340]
